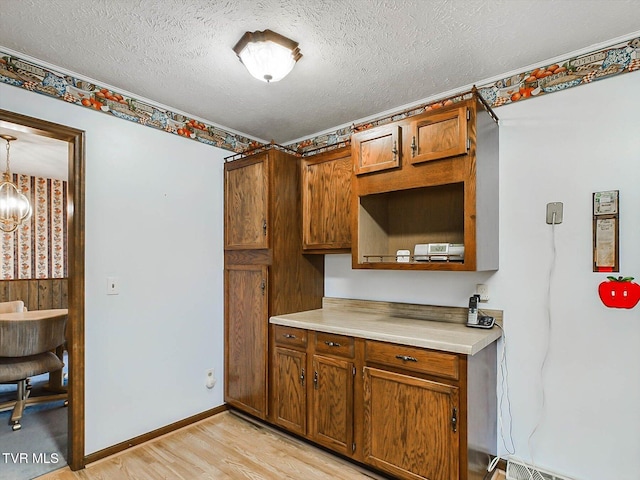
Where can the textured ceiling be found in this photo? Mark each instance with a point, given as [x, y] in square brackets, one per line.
[34, 155]
[360, 57]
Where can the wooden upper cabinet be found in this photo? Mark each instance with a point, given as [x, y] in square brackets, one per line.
[437, 135]
[246, 203]
[326, 202]
[451, 203]
[377, 148]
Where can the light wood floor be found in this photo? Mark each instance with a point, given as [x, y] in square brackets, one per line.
[221, 447]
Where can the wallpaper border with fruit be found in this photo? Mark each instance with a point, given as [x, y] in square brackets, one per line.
[28, 74]
[619, 58]
[605, 62]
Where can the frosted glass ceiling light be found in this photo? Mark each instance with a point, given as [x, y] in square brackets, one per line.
[267, 55]
[14, 205]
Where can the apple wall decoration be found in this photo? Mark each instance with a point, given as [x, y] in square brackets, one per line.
[619, 292]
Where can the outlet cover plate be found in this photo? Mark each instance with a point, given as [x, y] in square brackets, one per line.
[483, 291]
[554, 207]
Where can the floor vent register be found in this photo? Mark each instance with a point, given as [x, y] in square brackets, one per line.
[522, 471]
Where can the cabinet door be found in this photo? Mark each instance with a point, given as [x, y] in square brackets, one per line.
[326, 201]
[438, 135]
[290, 396]
[410, 426]
[376, 149]
[332, 423]
[246, 204]
[246, 338]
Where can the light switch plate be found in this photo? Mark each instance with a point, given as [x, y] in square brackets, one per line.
[113, 287]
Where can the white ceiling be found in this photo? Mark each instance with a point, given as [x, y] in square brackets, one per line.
[360, 57]
[32, 154]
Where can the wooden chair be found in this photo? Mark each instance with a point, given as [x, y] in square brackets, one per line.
[27, 342]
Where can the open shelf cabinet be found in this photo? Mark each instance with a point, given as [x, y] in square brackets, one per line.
[451, 198]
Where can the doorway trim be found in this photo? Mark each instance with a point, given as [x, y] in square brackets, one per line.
[75, 261]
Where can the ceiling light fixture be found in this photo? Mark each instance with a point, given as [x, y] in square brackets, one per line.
[267, 55]
[14, 205]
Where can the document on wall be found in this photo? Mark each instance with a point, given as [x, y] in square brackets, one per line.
[605, 242]
[605, 203]
[606, 213]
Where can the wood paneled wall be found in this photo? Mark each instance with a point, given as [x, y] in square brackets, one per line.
[37, 294]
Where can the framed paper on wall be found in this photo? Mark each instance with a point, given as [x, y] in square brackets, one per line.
[606, 230]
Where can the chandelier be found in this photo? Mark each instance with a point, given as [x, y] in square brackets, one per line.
[14, 205]
[267, 55]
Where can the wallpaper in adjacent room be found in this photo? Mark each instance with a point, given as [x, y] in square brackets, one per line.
[38, 249]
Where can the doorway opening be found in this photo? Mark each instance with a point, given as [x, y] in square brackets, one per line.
[75, 268]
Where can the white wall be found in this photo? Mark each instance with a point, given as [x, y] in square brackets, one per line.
[154, 220]
[561, 147]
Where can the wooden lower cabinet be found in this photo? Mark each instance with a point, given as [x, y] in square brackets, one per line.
[246, 350]
[313, 392]
[410, 426]
[290, 381]
[332, 397]
[404, 411]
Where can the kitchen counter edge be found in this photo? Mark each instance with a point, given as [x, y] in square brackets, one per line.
[431, 334]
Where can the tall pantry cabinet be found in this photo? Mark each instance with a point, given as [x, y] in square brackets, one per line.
[265, 272]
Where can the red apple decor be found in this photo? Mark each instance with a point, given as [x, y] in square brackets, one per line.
[619, 292]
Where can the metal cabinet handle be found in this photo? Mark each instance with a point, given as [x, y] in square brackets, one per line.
[288, 335]
[414, 147]
[454, 420]
[302, 377]
[394, 150]
[315, 379]
[264, 227]
[332, 344]
[263, 286]
[406, 358]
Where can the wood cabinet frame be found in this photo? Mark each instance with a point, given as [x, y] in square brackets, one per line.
[463, 388]
[453, 199]
[292, 282]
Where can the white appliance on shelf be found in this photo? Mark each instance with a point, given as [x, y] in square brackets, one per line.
[439, 252]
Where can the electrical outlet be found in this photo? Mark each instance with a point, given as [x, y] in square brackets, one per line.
[210, 381]
[483, 291]
[554, 213]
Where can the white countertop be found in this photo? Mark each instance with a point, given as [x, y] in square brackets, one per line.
[445, 336]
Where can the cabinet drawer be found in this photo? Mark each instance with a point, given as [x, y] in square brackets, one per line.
[415, 359]
[293, 337]
[335, 344]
